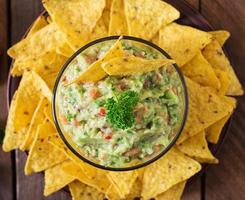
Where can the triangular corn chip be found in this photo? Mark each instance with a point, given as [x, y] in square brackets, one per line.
[182, 43]
[224, 81]
[39, 23]
[146, 17]
[220, 36]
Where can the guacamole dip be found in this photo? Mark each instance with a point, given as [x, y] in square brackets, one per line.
[120, 119]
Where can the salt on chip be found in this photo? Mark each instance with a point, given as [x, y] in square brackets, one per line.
[39, 23]
[80, 191]
[146, 17]
[220, 36]
[199, 70]
[216, 57]
[174, 167]
[197, 148]
[182, 42]
[133, 65]
[76, 19]
[43, 155]
[213, 132]
[100, 181]
[118, 23]
[174, 193]
[31, 89]
[38, 118]
[95, 72]
[224, 81]
[123, 181]
[41, 42]
[205, 108]
[55, 179]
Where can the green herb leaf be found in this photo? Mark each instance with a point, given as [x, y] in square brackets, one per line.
[120, 109]
[1, 135]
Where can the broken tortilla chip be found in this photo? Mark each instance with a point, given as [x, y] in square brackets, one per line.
[146, 17]
[182, 42]
[133, 65]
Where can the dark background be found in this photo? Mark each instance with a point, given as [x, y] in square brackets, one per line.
[225, 181]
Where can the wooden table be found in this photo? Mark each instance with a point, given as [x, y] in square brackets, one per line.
[222, 182]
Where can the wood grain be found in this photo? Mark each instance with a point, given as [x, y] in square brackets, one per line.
[194, 3]
[6, 175]
[226, 180]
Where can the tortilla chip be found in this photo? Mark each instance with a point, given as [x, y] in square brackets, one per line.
[95, 72]
[42, 155]
[174, 167]
[80, 191]
[146, 17]
[38, 118]
[133, 65]
[200, 71]
[75, 22]
[155, 39]
[123, 181]
[118, 23]
[41, 42]
[224, 81]
[197, 148]
[216, 57]
[174, 193]
[220, 36]
[55, 179]
[213, 132]
[181, 42]
[99, 30]
[205, 108]
[37, 25]
[135, 190]
[31, 89]
[106, 13]
[65, 50]
[99, 181]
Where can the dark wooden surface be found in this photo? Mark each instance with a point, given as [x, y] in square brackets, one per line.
[222, 182]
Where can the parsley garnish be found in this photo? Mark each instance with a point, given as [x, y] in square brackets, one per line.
[120, 109]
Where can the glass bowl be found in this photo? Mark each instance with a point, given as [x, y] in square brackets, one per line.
[68, 137]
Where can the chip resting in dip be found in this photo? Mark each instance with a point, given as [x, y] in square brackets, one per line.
[120, 103]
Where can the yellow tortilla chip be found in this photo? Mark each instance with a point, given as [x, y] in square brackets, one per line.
[213, 132]
[80, 191]
[216, 57]
[118, 23]
[123, 181]
[133, 65]
[99, 31]
[55, 179]
[146, 17]
[106, 13]
[174, 167]
[31, 89]
[37, 25]
[174, 193]
[181, 42]
[220, 36]
[41, 42]
[76, 19]
[42, 155]
[135, 191]
[205, 108]
[65, 50]
[155, 39]
[199, 70]
[99, 181]
[197, 148]
[95, 72]
[38, 118]
[224, 81]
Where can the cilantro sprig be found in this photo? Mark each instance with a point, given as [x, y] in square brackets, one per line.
[120, 109]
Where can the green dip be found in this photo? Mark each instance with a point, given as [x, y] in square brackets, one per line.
[120, 120]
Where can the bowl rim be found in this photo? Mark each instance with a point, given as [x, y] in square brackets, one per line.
[137, 166]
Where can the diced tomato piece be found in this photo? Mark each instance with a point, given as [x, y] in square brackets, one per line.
[102, 111]
[75, 123]
[108, 137]
[63, 119]
[94, 93]
[90, 58]
[64, 79]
